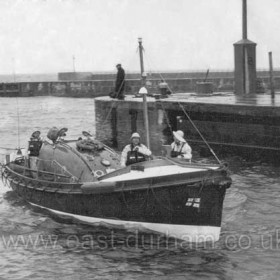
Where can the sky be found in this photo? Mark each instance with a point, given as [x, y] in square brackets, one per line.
[42, 36]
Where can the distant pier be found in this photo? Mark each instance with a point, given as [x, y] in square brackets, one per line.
[102, 84]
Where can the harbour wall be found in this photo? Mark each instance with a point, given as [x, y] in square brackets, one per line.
[231, 127]
[95, 88]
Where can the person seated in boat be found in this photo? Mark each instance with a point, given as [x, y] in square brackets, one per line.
[87, 135]
[135, 151]
[180, 148]
[55, 134]
[61, 134]
[36, 136]
[35, 143]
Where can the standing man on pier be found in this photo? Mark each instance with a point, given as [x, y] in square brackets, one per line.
[120, 82]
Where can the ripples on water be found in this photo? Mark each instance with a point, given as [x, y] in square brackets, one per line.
[37, 245]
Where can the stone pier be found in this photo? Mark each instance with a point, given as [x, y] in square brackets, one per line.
[233, 124]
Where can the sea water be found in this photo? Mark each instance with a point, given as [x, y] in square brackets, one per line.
[37, 245]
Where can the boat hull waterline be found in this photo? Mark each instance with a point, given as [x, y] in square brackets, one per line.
[187, 206]
[182, 232]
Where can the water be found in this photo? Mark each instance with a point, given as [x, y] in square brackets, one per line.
[37, 245]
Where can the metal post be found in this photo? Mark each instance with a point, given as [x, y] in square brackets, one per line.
[271, 75]
[244, 37]
[244, 19]
[141, 57]
[146, 120]
[145, 107]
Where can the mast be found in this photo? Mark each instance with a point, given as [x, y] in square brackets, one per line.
[144, 91]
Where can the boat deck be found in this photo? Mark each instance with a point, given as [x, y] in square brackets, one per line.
[157, 171]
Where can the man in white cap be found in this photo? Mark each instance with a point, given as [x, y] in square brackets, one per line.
[135, 151]
[180, 148]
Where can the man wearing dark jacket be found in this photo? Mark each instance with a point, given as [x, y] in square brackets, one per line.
[120, 82]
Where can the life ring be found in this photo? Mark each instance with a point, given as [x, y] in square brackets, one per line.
[98, 173]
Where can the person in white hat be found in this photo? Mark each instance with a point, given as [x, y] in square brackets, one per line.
[135, 151]
[180, 148]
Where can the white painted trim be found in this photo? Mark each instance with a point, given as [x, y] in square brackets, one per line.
[152, 172]
[189, 233]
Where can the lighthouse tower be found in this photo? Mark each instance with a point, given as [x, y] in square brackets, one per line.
[245, 73]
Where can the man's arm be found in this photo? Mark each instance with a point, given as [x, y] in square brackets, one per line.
[187, 151]
[144, 150]
[124, 155]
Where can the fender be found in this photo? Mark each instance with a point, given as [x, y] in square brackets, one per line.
[98, 187]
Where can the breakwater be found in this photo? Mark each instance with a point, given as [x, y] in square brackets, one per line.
[103, 84]
[248, 126]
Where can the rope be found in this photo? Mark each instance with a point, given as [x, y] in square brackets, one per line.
[185, 164]
[204, 140]
[202, 184]
[112, 105]
[18, 123]
[114, 101]
[110, 110]
[13, 149]
[120, 87]
[159, 202]
[161, 77]
[167, 119]
[139, 207]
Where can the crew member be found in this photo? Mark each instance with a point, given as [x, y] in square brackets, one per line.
[35, 143]
[164, 89]
[61, 134]
[135, 151]
[120, 82]
[36, 136]
[87, 135]
[180, 148]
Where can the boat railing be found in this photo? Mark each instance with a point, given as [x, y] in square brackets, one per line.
[63, 169]
[58, 173]
[24, 169]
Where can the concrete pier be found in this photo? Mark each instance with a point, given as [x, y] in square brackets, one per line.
[102, 85]
[249, 126]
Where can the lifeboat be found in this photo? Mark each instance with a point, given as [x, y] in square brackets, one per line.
[83, 179]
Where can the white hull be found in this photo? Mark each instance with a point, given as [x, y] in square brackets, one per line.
[188, 233]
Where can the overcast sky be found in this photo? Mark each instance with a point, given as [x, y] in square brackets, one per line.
[42, 36]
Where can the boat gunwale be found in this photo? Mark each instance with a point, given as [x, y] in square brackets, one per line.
[211, 177]
[162, 161]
